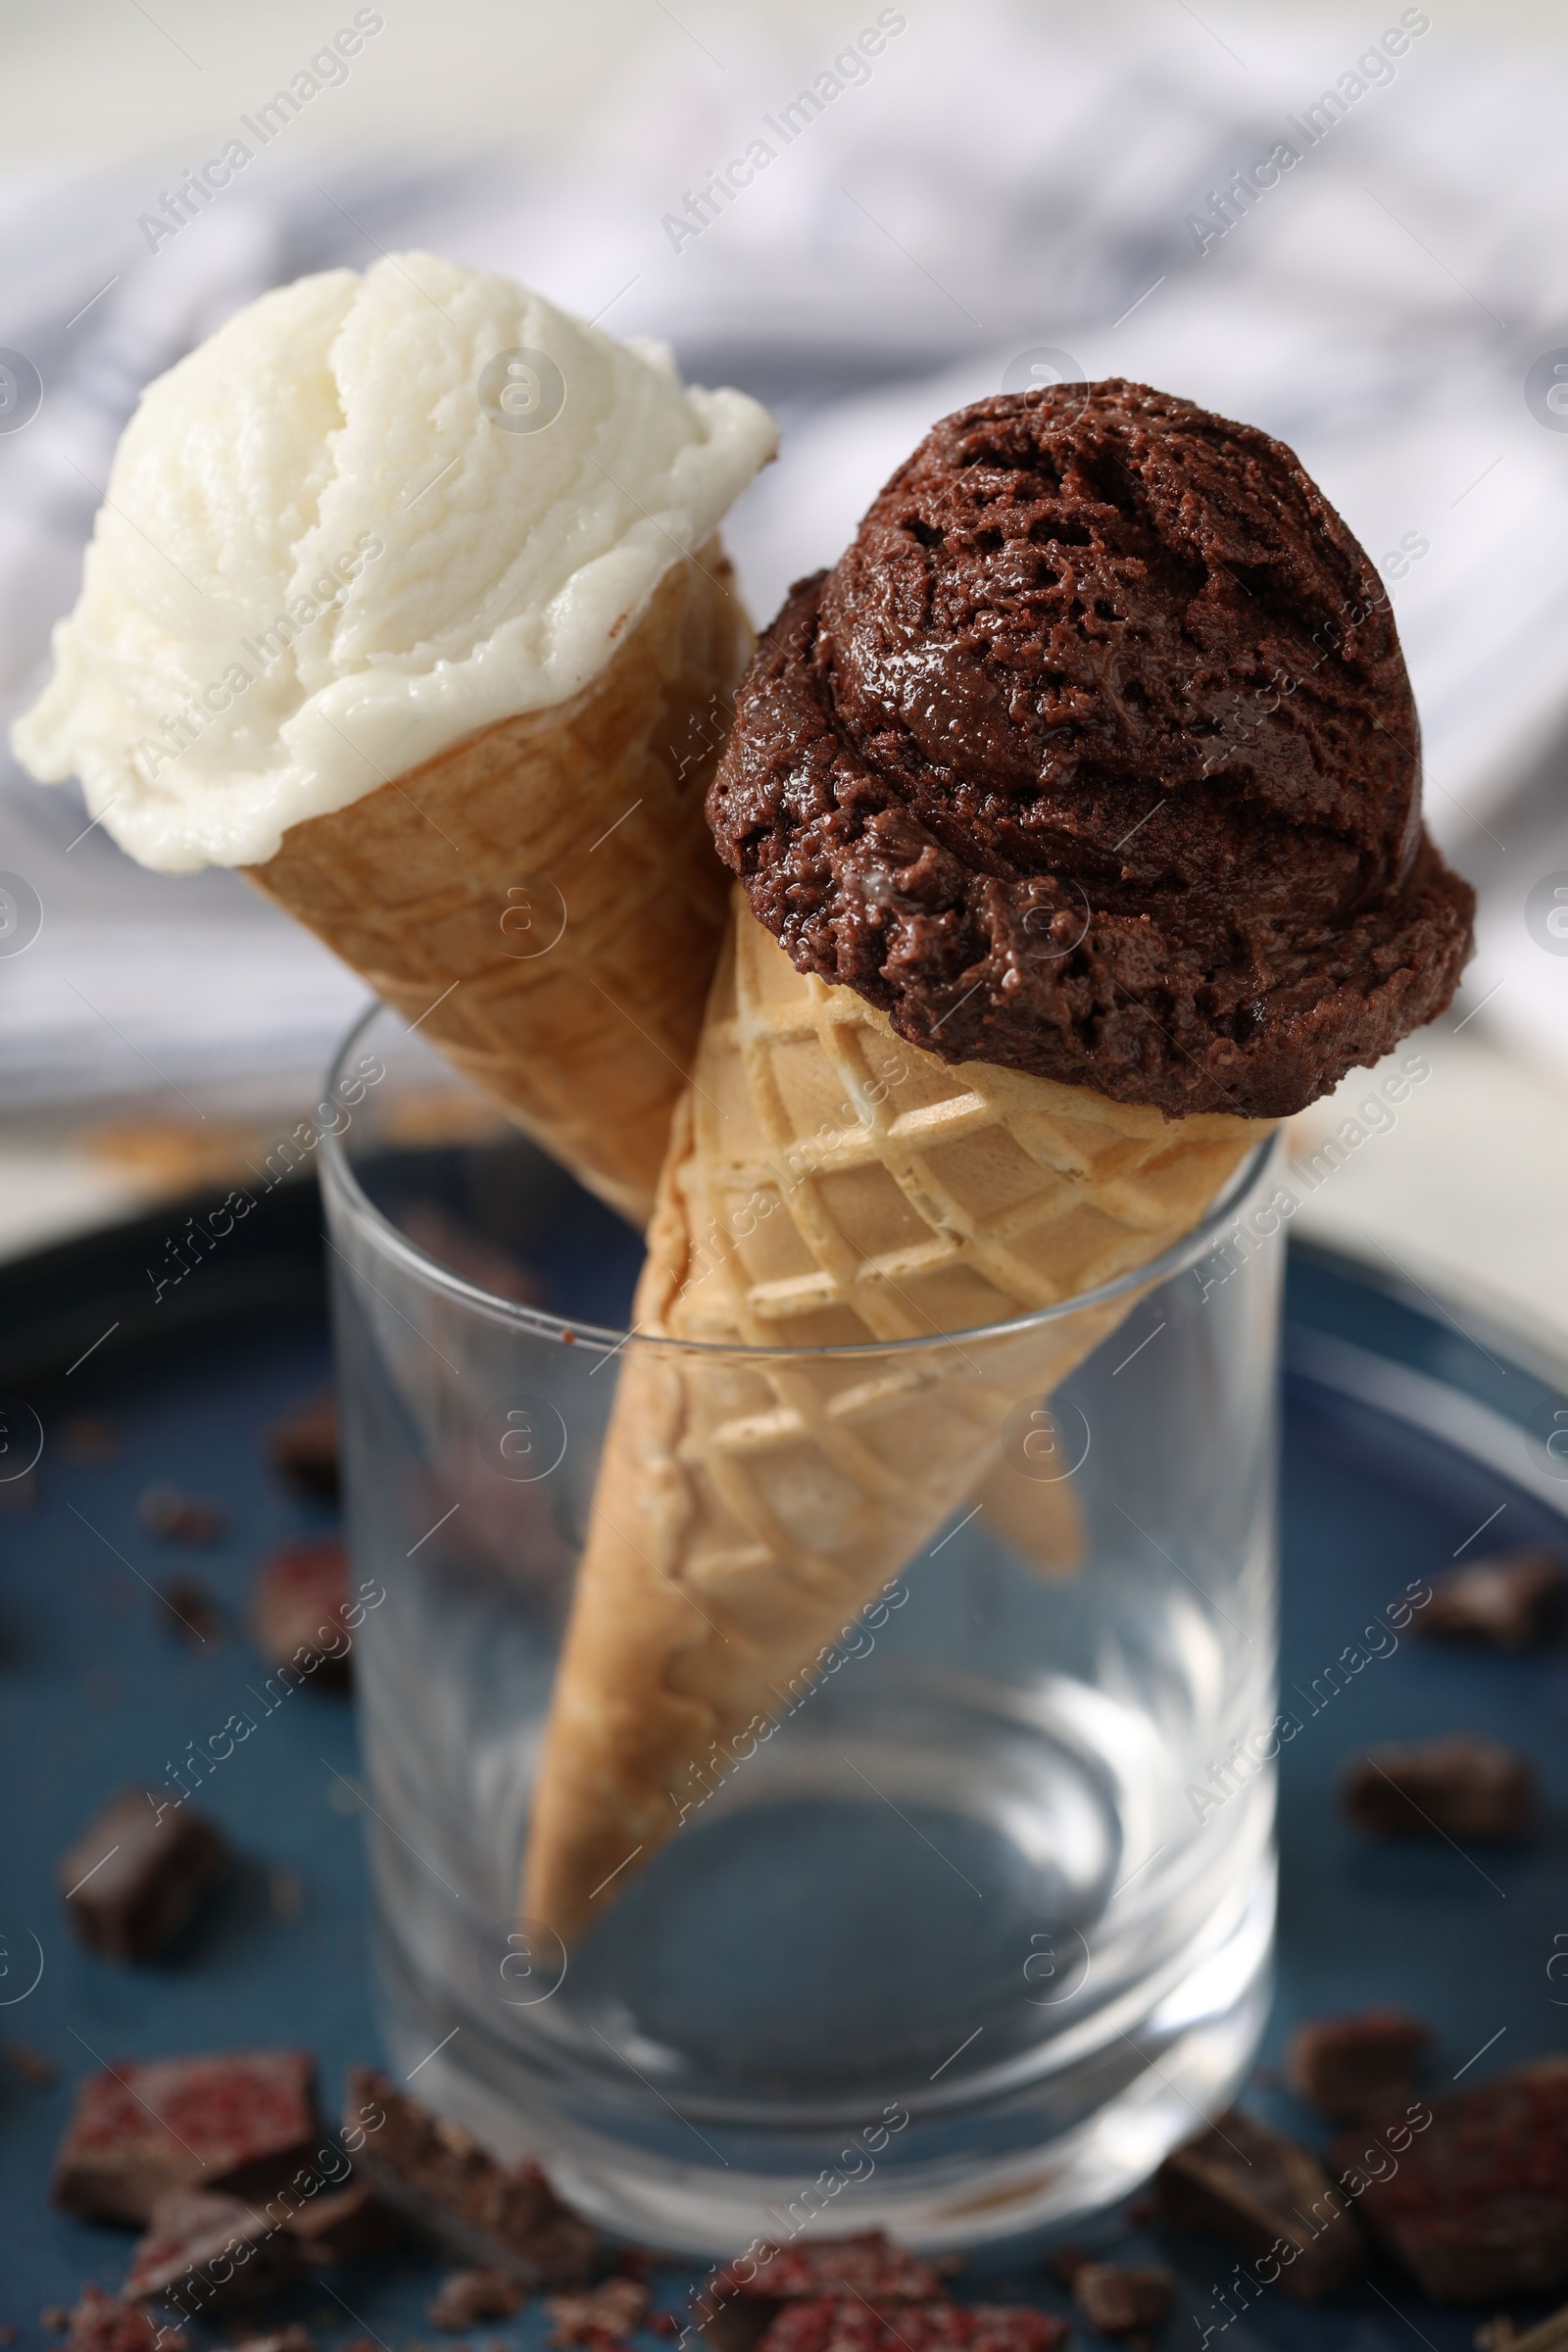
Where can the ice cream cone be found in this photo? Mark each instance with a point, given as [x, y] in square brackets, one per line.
[828, 1185]
[543, 898]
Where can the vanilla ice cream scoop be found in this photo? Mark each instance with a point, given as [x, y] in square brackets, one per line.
[369, 517]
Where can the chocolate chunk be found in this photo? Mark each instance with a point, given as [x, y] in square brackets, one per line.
[468, 2296]
[180, 1518]
[137, 1875]
[504, 2217]
[240, 2120]
[191, 1613]
[101, 2323]
[89, 1439]
[1122, 2300]
[1501, 2335]
[832, 2324]
[1465, 1788]
[303, 1447]
[868, 2265]
[205, 2251]
[1348, 2067]
[31, 2065]
[1265, 2197]
[348, 2225]
[298, 1604]
[1474, 2202]
[611, 2310]
[1511, 1601]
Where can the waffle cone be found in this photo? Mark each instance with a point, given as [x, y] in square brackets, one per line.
[828, 1185]
[543, 898]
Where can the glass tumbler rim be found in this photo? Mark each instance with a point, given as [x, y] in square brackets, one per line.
[339, 1179]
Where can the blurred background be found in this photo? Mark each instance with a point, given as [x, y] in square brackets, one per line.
[1006, 193]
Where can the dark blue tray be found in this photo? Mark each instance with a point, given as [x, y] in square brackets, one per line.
[1404, 1432]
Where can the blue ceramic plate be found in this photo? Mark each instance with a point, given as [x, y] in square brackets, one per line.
[1415, 1433]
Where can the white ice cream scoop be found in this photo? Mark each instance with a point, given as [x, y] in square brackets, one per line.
[366, 518]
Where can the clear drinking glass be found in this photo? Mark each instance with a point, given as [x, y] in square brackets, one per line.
[974, 1936]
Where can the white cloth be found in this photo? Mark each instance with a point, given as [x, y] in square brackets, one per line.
[1006, 178]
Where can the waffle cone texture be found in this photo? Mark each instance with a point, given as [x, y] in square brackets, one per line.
[828, 1185]
[543, 898]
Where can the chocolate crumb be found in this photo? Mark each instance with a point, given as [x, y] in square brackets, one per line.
[1351, 2067]
[299, 1602]
[285, 1894]
[1122, 2300]
[88, 1439]
[612, 2310]
[102, 2323]
[191, 1611]
[303, 1449]
[1465, 1788]
[1513, 1601]
[180, 1518]
[31, 2065]
[138, 1875]
[467, 2297]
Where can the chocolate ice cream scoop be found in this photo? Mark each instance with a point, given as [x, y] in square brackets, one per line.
[1095, 756]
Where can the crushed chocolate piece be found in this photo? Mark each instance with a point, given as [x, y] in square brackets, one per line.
[31, 2065]
[303, 1449]
[88, 1439]
[496, 2216]
[102, 2323]
[1501, 2335]
[55, 2319]
[164, 1510]
[348, 2225]
[1120, 2300]
[191, 1611]
[1066, 2262]
[1348, 2067]
[240, 2120]
[868, 2265]
[1513, 1601]
[832, 2324]
[1465, 1788]
[203, 2251]
[468, 2296]
[1475, 2200]
[297, 1609]
[615, 2309]
[1258, 2192]
[139, 1873]
[285, 1894]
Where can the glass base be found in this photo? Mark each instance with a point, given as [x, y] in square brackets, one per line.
[1020, 2147]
